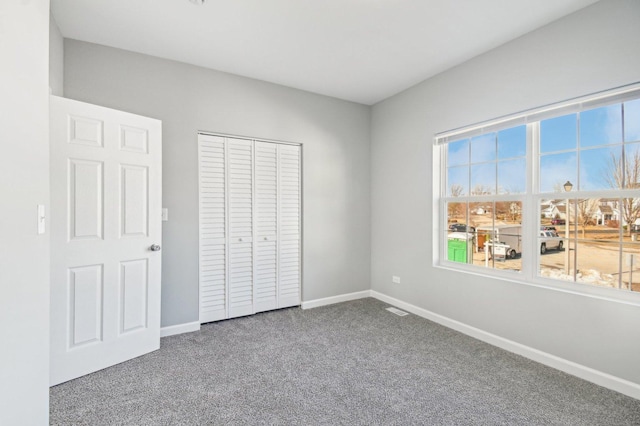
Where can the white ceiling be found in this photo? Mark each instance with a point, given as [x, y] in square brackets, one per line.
[359, 50]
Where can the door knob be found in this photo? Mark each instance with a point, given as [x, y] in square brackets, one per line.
[154, 247]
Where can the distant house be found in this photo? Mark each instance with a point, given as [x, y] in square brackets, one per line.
[607, 211]
[549, 211]
[480, 210]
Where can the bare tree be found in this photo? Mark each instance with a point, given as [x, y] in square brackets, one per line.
[456, 209]
[508, 211]
[456, 190]
[481, 190]
[501, 210]
[587, 210]
[624, 172]
[515, 211]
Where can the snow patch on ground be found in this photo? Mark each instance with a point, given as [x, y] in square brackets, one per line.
[589, 276]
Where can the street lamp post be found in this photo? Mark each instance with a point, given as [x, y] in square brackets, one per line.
[567, 187]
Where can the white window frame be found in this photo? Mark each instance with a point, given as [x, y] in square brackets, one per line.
[530, 199]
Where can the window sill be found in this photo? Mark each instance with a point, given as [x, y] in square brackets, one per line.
[586, 290]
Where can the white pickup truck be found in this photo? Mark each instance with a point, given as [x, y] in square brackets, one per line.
[549, 240]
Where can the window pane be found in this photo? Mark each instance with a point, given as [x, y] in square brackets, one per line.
[459, 235]
[512, 176]
[594, 170]
[622, 172]
[555, 170]
[598, 263]
[457, 181]
[631, 266]
[630, 214]
[456, 216]
[499, 237]
[601, 126]
[632, 165]
[556, 239]
[512, 142]
[558, 134]
[483, 148]
[553, 254]
[632, 121]
[458, 153]
[483, 179]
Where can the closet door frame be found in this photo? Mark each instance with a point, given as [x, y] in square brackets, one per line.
[254, 215]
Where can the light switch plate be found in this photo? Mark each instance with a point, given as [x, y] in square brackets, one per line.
[396, 280]
[165, 214]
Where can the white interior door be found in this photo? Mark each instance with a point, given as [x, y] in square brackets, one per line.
[106, 185]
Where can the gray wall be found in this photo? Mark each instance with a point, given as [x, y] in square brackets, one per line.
[335, 137]
[24, 183]
[591, 50]
[56, 59]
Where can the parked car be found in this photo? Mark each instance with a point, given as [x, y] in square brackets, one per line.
[461, 227]
[550, 240]
[558, 221]
[549, 228]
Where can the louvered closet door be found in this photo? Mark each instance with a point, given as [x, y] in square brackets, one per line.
[266, 226]
[250, 226]
[213, 234]
[289, 225]
[240, 199]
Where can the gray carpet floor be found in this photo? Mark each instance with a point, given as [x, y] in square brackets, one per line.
[352, 363]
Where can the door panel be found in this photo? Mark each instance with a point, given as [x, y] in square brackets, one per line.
[85, 131]
[266, 203]
[105, 214]
[240, 162]
[134, 285]
[85, 291]
[85, 199]
[133, 200]
[289, 226]
[213, 228]
[134, 139]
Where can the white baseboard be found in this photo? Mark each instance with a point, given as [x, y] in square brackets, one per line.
[179, 329]
[335, 299]
[595, 376]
